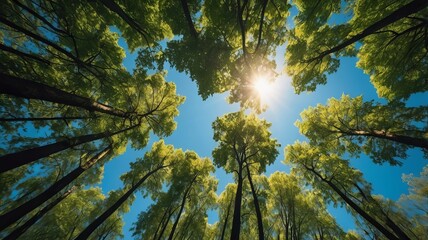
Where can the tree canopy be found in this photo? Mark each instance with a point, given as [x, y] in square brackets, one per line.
[71, 107]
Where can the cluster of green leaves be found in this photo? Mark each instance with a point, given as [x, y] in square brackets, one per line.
[62, 75]
[387, 37]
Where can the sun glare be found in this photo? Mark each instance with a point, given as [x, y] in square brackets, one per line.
[263, 87]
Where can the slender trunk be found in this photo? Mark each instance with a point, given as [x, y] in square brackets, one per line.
[410, 8]
[223, 231]
[40, 17]
[114, 7]
[256, 205]
[389, 222]
[16, 233]
[189, 20]
[23, 54]
[161, 222]
[35, 119]
[14, 160]
[24, 88]
[41, 39]
[166, 223]
[396, 229]
[183, 202]
[416, 142]
[357, 208]
[97, 222]
[236, 222]
[14, 215]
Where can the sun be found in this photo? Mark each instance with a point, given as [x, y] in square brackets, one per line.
[263, 87]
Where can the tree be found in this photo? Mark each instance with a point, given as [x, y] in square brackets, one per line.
[228, 46]
[414, 203]
[70, 215]
[244, 140]
[340, 183]
[151, 166]
[180, 212]
[17, 213]
[395, 28]
[297, 213]
[384, 132]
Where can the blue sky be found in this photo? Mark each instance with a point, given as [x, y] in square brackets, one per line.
[194, 131]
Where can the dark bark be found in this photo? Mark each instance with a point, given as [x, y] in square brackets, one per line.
[183, 202]
[389, 222]
[236, 222]
[223, 231]
[35, 119]
[356, 208]
[14, 160]
[161, 222]
[40, 17]
[410, 8]
[114, 7]
[412, 141]
[30, 222]
[14, 215]
[41, 39]
[256, 205]
[166, 223]
[97, 222]
[23, 54]
[189, 20]
[24, 88]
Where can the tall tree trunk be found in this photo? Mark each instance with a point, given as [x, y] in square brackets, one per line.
[97, 222]
[166, 223]
[24, 88]
[114, 7]
[389, 222]
[14, 160]
[256, 205]
[35, 119]
[30, 222]
[223, 231]
[14, 215]
[410, 8]
[236, 222]
[183, 202]
[189, 20]
[356, 208]
[417, 142]
[164, 216]
[23, 54]
[41, 39]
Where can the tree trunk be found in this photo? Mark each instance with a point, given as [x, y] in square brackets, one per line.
[183, 202]
[23, 54]
[236, 222]
[223, 231]
[162, 221]
[41, 39]
[24, 88]
[24, 227]
[189, 20]
[14, 215]
[357, 208]
[416, 142]
[410, 8]
[114, 7]
[97, 222]
[166, 223]
[389, 222]
[256, 205]
[14, 160]
[35, 119]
